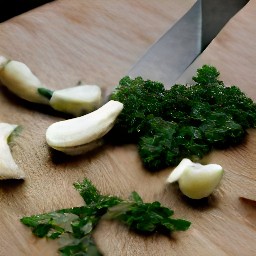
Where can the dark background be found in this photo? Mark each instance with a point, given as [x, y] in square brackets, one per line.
[11, 8]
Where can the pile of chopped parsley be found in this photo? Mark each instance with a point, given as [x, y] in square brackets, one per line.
[184, 121]
[74, 226]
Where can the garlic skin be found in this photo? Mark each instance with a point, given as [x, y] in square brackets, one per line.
[19, 79]
[3, 61]
[196, 181]
[78, 100]
[8, 167]
[77, 133]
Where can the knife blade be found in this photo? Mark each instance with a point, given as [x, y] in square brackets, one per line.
[176, 50]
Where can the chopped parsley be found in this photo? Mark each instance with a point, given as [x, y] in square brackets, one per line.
[185, 121]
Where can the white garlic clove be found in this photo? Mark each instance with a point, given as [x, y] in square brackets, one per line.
[195, 180]
[77, 100]
[8, 167]
[85, 129]
[19, 79]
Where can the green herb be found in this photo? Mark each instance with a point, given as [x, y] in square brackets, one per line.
[146, 217]
[186, 121]
[74, 227]
[45, 92]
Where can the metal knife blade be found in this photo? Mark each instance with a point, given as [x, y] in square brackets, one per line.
[175, 51]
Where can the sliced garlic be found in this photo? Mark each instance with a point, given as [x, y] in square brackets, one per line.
[77, 133]
[78, 100]
[8, 167]
[195, 180]
[19, 79]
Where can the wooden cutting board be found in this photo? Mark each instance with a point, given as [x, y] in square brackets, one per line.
[97, 42]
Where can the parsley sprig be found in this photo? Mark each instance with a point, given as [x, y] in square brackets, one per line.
[74, 226]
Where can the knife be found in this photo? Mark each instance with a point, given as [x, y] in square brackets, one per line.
[177, 49]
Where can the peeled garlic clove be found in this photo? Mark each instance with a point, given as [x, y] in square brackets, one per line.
[8, 167]
[195, 180]
[198, 182]
[85, 129]
[19, 79]
[77, 100]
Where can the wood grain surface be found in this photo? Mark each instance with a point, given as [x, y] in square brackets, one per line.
[97, 42]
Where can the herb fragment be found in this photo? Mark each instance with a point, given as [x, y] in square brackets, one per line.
[146, 217]
[45, 92]
[74, 227]
[186, 121]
